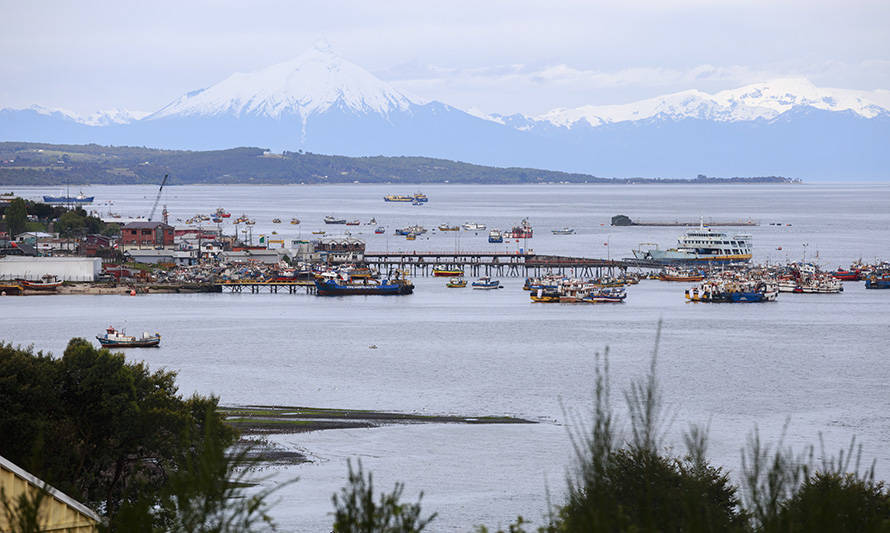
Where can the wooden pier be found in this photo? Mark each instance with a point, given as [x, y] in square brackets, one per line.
[256, 287]
[505, 264]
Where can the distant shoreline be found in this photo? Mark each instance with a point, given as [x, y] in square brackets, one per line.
[53, 165]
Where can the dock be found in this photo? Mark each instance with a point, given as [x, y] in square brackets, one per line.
[505, 264]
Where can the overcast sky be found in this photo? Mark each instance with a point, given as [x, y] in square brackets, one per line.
[492, 56]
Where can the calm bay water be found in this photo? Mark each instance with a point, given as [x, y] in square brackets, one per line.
[820, 360]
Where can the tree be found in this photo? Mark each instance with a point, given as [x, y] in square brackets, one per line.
[16, 217]
[70, 224]
[98, 428]
[355, 510]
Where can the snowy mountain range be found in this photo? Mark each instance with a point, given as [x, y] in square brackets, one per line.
[323, 103]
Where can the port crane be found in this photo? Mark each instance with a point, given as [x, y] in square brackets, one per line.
[154, 207]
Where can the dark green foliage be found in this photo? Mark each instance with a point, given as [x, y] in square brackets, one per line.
[16, 217]
[96, 427]
[134, 165]
[206, 494]
[836, 502]
[355, 510]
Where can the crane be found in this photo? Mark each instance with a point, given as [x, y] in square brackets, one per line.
[157, 199]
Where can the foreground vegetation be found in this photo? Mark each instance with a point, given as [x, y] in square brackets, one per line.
[121, 439]
[50, 164]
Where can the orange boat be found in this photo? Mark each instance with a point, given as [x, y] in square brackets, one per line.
[680, 276]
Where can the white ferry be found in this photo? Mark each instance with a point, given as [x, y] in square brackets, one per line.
[701, 245]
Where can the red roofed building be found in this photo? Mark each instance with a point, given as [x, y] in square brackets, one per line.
[147, 234]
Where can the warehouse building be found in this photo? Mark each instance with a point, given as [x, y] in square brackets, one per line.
[63, 268]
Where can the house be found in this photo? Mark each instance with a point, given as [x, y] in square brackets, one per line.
[335, 250]
[152, 234]
[57, 512]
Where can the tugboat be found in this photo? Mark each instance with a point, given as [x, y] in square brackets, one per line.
[117, 339]
[485, 283]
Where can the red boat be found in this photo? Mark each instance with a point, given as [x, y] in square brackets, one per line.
[847, 275]
[522, 231]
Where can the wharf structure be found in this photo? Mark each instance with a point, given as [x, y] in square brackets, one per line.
[500, 263]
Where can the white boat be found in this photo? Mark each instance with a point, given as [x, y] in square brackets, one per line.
[473, 226]
[564, 231]
[495, 236]
[701, 245]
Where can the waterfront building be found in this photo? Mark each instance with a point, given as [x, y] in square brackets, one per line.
[137, 234]
[63, 268]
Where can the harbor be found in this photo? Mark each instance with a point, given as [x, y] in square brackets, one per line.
[458, 351]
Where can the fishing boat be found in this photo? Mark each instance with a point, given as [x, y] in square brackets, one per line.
[606, 296]
[397, 198]
[495, 236]
[331, 220]
[276, 221]
[701, 245]
[417, 202]
[222, 213]
[295, 220]
[337, 284]
[372, 222]
[416, 230]
[446, 227]
[523, 231]
[545, 296]
[7, 288]
[118, 339]
[380, 230]
[473, 226]
[318, 233]
[563, 231]
[878, 281]
[456, 283]
[49, 283]
[250, 222]
[733, 291]
[411, 237]
[353, 223]
[485, 283]
[680, 275]
[442, 271]
[216, 220]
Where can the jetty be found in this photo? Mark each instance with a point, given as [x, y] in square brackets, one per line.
[624, 220]
[500, 263]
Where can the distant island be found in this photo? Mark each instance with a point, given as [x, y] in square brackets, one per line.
[38, 164]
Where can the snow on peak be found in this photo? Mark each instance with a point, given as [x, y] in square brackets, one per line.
[760, 100]
[309, 84]
[111, 117]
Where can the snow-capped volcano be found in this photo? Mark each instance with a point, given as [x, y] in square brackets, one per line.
[758, 101]
[309, 84]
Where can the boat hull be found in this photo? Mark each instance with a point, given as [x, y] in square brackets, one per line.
[333, 288]
[677, 257]
[138, 343]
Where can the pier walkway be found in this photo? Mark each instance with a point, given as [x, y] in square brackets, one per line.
[255, 287]
[501, 263]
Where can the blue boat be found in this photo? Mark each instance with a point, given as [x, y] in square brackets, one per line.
[80, 199]
[876, 281]
[495, 236]
[336, 286]
[486, 283]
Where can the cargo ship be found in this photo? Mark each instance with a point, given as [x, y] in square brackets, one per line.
[80, 199]
[701, 245]
[333, 284]
[416, 197]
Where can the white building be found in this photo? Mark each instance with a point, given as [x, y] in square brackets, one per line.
[63, 268]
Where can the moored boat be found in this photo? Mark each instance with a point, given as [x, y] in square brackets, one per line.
[118, 339]
[48, 284]
[701, 245]
[380, 230]
[456, 283]
[295, 220]
[564, 231]
[878, 281]
[331, 220]
[446, 227]
[333, 284]
[80, 199]
[486, 283]
[473, 226]
[495, 236]
[442, 271]
[523, 231]
[8, 289]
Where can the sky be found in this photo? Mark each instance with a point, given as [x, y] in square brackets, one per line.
[492, 56]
